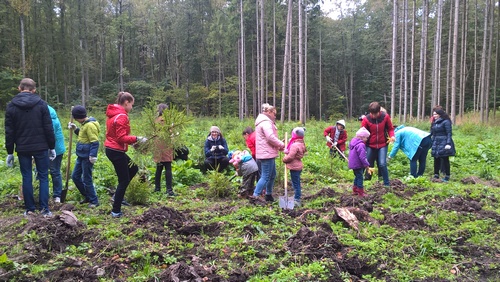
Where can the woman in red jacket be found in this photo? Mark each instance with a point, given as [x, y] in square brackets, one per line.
[117, 140]
[378, 123]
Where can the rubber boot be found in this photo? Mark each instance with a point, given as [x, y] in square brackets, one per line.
[361, 192]
[355, 190]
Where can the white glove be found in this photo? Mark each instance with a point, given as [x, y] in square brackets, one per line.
[71, 125]
[141, 139]
[52, 154]
[447, 147]
[334, 144]
[221, 147]
[92, 160]
[329, 139]
[10, 160]
[213, 148]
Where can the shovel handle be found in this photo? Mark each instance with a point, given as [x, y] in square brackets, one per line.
[285, 174]
[68, 164]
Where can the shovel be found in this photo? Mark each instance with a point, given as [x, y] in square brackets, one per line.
[68, 164]
[340, 152]
[285, 201]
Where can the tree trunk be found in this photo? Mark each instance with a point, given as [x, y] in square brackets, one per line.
[454, 62]
[422, 68]
[286, 59]
[436, 68]
[394, 52]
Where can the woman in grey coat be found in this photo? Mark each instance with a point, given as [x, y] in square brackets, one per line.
[442, 143]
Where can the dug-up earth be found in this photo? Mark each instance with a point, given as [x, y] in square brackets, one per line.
[45, 241]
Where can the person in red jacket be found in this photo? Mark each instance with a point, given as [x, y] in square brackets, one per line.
[117, 140]
[336, 136]
[379, 124]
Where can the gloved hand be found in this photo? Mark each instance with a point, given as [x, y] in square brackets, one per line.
[220, 147]
[52, 154]
[447, 147]
[10, 160]
[141, 139]
[370, 170]
[329, 139]
[391, 139]
[334, 144]
[92, 160]
[213, 148]
[71, 125]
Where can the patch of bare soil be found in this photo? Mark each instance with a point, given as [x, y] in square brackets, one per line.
[460, 204]
[365, 203]
[323, 193]
[477, 180]
[404, 221]
[480, 257]
[320, 244]
[53, 233]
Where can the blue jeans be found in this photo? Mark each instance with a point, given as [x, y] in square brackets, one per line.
[295, 175]
[82, 177]
[421, 157]
[266, 178]
[42, 167]
[358, 177]
[55, 173]
[380, 155]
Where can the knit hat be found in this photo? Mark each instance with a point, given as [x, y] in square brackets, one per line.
[215, 128]
[362, 133]
[299, 131]
[341, 122]
[79, 112]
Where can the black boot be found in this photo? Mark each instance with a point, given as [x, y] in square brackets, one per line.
[269, 198]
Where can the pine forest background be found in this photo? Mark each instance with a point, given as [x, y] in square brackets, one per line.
[204, 55]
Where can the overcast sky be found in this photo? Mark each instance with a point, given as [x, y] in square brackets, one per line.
[331, 7]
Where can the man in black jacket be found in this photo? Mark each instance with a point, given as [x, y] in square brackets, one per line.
[28, 128]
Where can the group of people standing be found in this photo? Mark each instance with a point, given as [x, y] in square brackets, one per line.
[34, 131]
[377, 132]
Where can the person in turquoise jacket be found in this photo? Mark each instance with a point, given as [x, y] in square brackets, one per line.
[55, 165]
[415, 144]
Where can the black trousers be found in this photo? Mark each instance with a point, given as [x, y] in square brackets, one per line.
[125, 170]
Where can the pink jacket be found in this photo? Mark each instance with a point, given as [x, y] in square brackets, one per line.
[293, 159]
[267, 143]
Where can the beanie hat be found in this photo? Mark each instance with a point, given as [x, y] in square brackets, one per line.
[215, 128]
[79, 112]
[299, 131]
[341, 122]
[362, 133]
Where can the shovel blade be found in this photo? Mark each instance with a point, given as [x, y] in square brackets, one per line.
[286, 203]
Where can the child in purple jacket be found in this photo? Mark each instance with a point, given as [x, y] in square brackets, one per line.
[358, 161]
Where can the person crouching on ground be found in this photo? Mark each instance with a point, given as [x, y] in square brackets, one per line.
[294, 152]
[358, 161]
[216, 150]
[247, 167]
[86, 152]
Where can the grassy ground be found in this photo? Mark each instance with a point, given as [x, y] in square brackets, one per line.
[415, 230]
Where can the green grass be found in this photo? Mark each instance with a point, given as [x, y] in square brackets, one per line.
[236, 236]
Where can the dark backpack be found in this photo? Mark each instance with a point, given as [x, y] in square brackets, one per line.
[181, 153]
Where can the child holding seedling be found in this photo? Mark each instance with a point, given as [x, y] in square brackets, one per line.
[294, 152]
[358, 161]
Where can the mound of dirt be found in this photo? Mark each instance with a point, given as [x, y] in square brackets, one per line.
[315, 245]
[477, 180]
[404, 221]
[53, 234]
[323, 193]
[460, 204]
[162, 216]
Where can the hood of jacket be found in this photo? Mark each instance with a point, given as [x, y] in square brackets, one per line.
[114, 110]
[26, 100]
[354, 142]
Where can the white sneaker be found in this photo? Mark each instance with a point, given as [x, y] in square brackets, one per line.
[57, 200]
